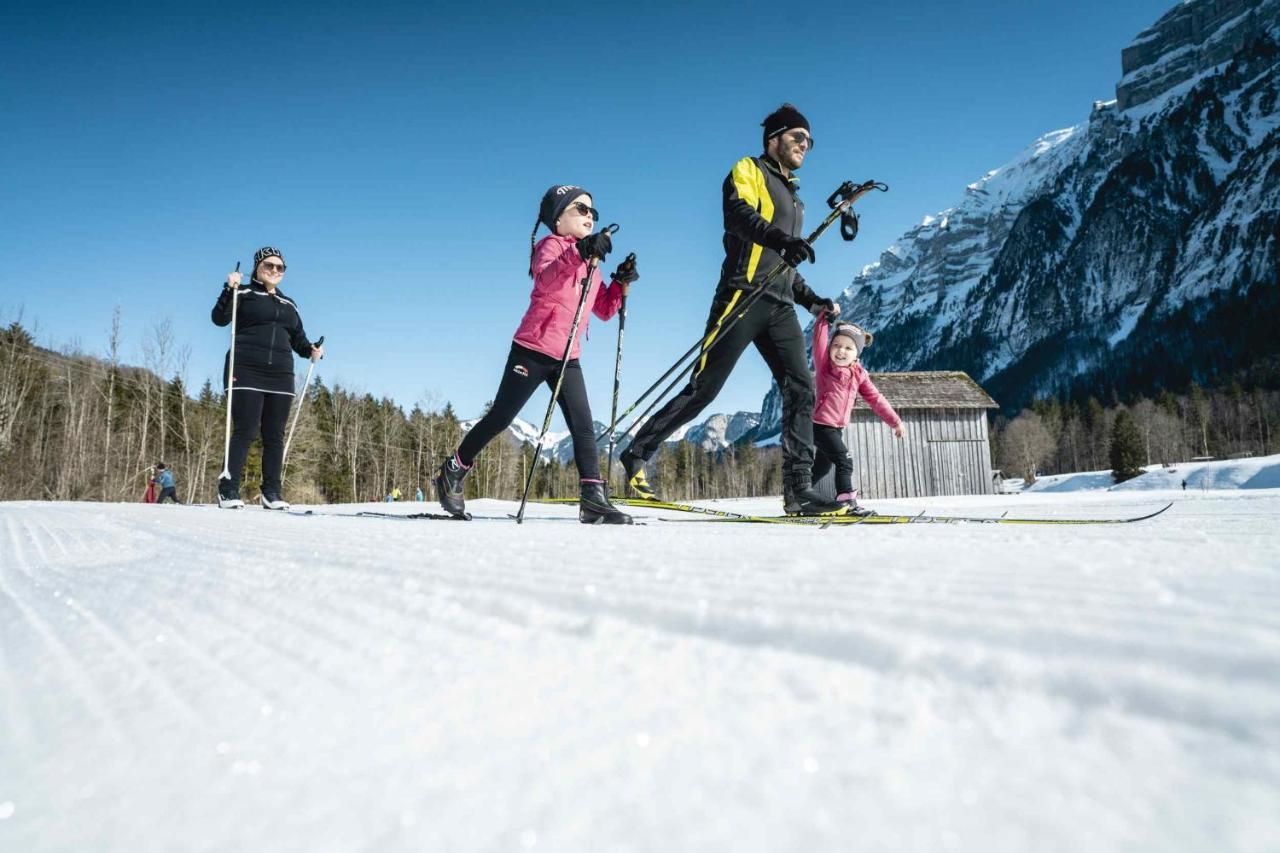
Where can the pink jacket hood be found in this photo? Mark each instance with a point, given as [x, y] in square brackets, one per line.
[838, 388]
[557, 272]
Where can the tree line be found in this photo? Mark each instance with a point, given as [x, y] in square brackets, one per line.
[1054, 437]
[79, 427]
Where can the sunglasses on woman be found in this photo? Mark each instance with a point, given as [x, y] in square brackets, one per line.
[270, 267]
[584, 210]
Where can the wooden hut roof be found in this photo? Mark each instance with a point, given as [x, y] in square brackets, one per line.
[944, 389]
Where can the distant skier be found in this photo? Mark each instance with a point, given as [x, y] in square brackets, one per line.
[164, 479]
[557, 265]
[763, 221]
[840, 379]
[420, 496]
[1184, 485]
[268, 327]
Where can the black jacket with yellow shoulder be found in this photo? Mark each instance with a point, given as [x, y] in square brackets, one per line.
[761, 208]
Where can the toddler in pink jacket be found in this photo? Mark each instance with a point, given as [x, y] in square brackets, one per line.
[558, 263]
[839, 379]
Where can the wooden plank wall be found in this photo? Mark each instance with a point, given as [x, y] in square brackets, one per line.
[945, 452]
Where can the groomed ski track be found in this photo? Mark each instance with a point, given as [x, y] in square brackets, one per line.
[188, 678]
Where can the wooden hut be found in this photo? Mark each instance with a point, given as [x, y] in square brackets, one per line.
[945, 451]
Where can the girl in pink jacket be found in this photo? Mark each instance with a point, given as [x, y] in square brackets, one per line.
[557, 265]
[840, 378]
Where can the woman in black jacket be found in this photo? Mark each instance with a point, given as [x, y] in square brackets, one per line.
[268, 331]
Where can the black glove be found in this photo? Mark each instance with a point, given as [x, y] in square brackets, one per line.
[795, 250]
[597, 245]
[825, 306]
[626, 271]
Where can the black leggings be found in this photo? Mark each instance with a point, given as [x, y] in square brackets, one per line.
[169, 493]
[249, 411]
[830, 450]
[525, 371]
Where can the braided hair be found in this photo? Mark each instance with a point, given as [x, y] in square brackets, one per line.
[533, 242]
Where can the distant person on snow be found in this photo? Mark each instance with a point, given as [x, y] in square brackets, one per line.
[557, 265]
[840, 379]
[268, 332]
[164, 479]
[763, 222]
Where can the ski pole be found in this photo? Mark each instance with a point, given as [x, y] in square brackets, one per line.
[284, 460]
[617, 368]
[564, 363]
[231, 378]
[840, 201]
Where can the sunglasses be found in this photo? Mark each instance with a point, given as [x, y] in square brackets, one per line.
[584, 210]
[270, 267]
[798, 137]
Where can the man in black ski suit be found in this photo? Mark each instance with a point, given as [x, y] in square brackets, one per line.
[763, 222]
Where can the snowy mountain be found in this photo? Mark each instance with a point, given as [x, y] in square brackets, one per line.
[718, 431]
[1104, 253]
[715, 433]
[524, 432]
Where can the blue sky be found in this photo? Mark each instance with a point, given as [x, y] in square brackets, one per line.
[397, 154]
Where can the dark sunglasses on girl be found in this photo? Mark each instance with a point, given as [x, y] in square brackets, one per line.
[583, 210]
[270, 267]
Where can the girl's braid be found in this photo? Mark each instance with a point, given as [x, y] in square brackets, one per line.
[533, 242]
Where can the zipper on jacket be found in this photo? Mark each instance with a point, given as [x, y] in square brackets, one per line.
[275, 327]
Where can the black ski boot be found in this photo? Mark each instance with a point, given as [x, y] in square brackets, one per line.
[799, 498]
[449, 487]
[637, 484]
[271, 500]
[229, 495]
[594, 506]
[850, 500]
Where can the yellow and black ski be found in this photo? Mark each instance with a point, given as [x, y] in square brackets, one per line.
[719, 515]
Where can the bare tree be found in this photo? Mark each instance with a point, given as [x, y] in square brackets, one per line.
[1027, 444]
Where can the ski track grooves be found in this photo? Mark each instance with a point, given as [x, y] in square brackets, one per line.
[80, 685]
[261, 630]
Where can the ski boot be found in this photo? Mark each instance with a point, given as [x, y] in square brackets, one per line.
[633, 470]
[449, 487]
[594, 506]
[271, 499]
[229, 495]
[799, 498]
[850, 500]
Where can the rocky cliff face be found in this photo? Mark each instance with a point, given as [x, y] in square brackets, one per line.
[1189, 39]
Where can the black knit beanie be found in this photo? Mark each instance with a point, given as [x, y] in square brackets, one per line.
[555, 200]
[264, 253]
[782, 119]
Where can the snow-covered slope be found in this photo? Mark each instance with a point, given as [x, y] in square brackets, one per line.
[179, 678]
[1262, 472]
[1104, 252]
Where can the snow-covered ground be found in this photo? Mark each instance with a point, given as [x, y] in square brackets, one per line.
[1261, 472]
[181, 678]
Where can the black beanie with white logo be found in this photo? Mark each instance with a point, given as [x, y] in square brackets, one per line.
[555, 200]
[782, 119]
